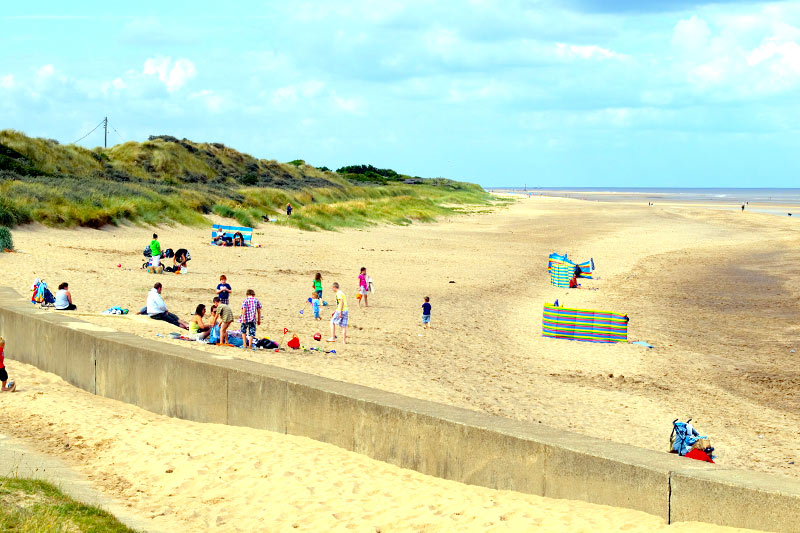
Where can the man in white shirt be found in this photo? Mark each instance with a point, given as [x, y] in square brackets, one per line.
[157, 309]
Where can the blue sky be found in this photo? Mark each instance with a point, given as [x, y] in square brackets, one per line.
[571, 93]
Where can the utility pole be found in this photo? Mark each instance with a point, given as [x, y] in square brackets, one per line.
[105, 127]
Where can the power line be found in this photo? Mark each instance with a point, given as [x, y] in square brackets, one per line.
[82, 138]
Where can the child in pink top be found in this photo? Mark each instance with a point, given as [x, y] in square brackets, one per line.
[363, 288]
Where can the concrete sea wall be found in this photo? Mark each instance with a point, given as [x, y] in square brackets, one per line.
[435, 439]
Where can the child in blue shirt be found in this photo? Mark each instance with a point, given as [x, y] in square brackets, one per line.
[223, 290]
[315, 304]
[426, 313]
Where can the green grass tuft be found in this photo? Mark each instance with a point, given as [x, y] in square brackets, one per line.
[6, 241]
[33, 505]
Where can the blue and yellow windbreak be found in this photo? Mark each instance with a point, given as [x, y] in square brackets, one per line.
[561, 269]
[583, 325]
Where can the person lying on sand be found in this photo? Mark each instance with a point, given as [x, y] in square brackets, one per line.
[157, 309]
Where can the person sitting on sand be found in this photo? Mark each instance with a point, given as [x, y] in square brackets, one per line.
[238, 239]
[64, 298]
[157, 309]
[573, 283]
[197, 330]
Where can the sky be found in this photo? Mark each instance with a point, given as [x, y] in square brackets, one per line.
[540, 93]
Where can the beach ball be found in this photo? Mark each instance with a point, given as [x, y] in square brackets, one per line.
[317, 337]
[119, 265]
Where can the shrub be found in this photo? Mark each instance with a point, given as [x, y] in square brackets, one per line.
[6, 242]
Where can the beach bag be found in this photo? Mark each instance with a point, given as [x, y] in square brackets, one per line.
[48, 297]
[168, 253]
[213, 335]
[146, 252]
[266, 344]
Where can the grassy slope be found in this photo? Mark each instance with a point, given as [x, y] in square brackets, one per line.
[167, 180]
[30, 505]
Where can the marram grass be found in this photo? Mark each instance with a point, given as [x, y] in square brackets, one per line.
[169, 181]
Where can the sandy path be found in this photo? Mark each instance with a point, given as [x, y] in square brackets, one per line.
[185, 476]
[715, 292]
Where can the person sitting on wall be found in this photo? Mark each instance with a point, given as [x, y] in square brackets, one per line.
[157, 309]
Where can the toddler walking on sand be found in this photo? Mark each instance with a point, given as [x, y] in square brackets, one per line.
[223, 290]
[3, 374]
[315, 303]
[426, 313]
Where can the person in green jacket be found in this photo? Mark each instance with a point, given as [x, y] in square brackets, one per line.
[155, 250]
[318, 285]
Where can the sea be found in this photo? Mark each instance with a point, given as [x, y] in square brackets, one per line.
[776, 201]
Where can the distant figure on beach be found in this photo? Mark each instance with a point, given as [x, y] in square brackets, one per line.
[250, 318]
[238, 239]
[155, 251]
[363, 288]
[573, 283]
[426, 313]
[340, 315]
[197, 329]
[742, 207]
[64, 298]
[318, 284]
[157, 309]
[8, 386]
[223, 317]
[288, 210]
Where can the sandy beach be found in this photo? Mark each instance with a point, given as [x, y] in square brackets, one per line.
[714, 291]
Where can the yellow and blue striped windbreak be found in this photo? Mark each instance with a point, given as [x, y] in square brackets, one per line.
[561, 269]
[583, 325]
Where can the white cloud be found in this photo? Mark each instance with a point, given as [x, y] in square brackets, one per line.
[45, 72]
[173, 75]
[7, 81]
[691, 36]
[291, 93]
[573, 51]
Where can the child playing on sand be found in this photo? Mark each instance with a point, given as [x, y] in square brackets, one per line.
[315, 303]
[251, 317]
[339, 316]
[223, 317]
[223, 290]
[3, 374]
[426, 313]
[318, 285]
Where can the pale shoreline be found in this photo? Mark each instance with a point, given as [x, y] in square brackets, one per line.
[700, 285]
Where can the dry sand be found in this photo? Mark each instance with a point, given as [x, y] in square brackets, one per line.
[714, 291]
[185, 476]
